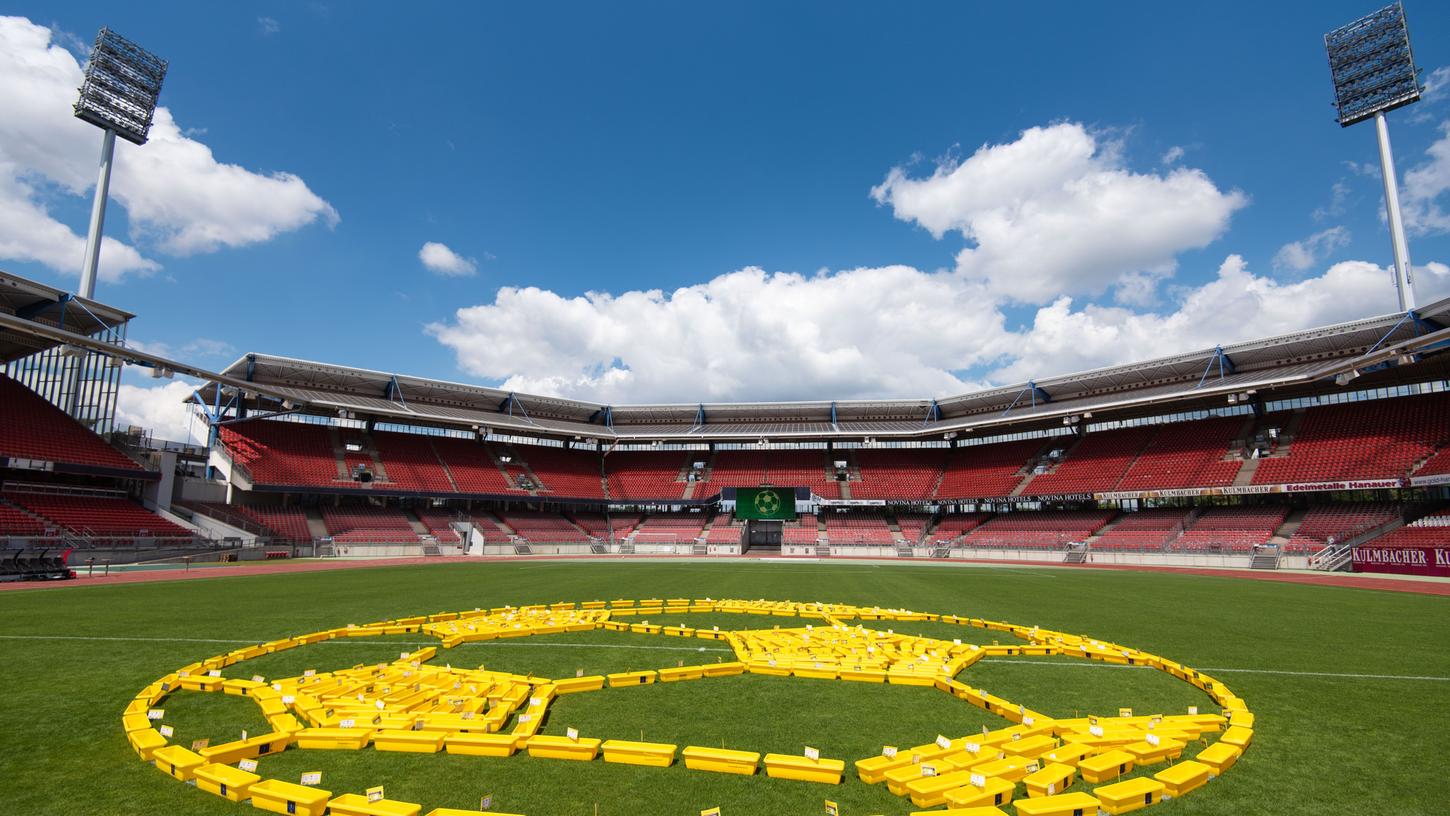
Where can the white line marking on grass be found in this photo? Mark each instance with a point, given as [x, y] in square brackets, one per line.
[371, 643]
[1095, 665]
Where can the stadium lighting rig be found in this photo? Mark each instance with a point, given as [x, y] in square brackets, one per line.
[122, 83]
[1374, 73]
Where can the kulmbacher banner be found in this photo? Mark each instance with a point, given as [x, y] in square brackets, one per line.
[1403, 560]
[765, 503]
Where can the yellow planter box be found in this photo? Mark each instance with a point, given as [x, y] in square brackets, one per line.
[1129, 795]
[931, 791]
[409, 742]
[639, 678]
[653, 754]
[176, 761]
[231, 784]
[863, 675]
[240, 688]
[764, 667]
[583, 749]
[724, 669]
[1009, 768]
[1183, 777]
[201, 682]
[284, 797]
[1105, 766]
[995, 792]
[1030, 747]
[1219, 757]
[901, 678]
[672, 675]
[1238, 736]
[813, 673]
[145, 742]
[593, 682]
[1076, 803]
[352, 804]
[720, 760]
[805, 769]
[1050, 781]
[1145, 753]
[872, 770]
[333, 738]
[1243, 718]
[495, 745]
[1070, 753]
[229, 753]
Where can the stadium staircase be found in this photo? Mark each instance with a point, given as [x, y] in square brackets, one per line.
[1246, 473]
[1266, 558]
[1286, 530]
[447, 471]
[315, 525]
[1076, 554]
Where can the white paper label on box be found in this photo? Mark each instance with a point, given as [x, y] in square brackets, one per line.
[347, 723]
[310, 673]
[523, 718]
[156, 714]
[214, 673]
[573, 734]
[248, 765]
[1193, 710]
[943, 742]
[535, 701]
[1152, 739]
[1029, 720]
[257, 678]
[978, 780]
[166, 730]
[812, 753]
[288, 699]
[1095, 730]
[973, 747]
[312, 778]
[889, 751]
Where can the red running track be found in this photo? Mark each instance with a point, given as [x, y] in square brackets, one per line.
[1334, 579]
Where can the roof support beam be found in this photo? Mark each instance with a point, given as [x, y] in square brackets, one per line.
[1031, 391]
[1219, 359]
[33, 310]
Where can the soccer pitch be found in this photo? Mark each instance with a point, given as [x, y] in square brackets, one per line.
[1349, 686]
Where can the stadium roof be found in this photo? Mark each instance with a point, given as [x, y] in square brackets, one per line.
[1390, 349]
[49, 306]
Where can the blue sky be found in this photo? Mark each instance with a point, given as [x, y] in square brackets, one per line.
[627, 147]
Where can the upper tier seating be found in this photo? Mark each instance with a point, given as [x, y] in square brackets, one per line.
[1144, 530]
[565, 472]
[1186, 454]
[1338, 522]
[1097, 463]
[904, 473]
[472, 466]
[411, 462]
[986, 471]
[1231, 529]
[783, 468]
[1051, 529]
[643, 475]
[32, 428]
[98, 516]
[282, 453]
[1382, 439]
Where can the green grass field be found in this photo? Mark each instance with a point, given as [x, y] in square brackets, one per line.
[1351, 687]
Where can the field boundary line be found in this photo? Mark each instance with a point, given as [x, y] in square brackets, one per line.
[1343, 675]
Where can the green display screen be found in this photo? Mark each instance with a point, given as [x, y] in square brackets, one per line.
[765, 503]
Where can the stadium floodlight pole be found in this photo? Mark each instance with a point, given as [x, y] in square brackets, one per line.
[118, 95]
[1374, 72]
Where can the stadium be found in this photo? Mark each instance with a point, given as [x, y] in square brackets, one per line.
[1211, 582]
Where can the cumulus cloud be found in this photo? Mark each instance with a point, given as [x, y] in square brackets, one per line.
[1172, 155]
[891, 331]
[161, 409]
[268, 25]
[440, 259]
[1298, 256]
[1057, 211]
[1425, 185]
[179, 198]
[1236, 305]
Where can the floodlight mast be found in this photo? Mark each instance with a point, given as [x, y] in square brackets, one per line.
[1374, 72]
[122, 83]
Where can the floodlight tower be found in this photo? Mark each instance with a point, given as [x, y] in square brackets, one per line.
[122, 82]
[1374, 72]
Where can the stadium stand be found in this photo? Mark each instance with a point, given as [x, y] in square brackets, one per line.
[903, 474]
[987, 470]
[1231, 529]
[97, 516]
[1097, 463]
[564, 472]
[857, 529]
[368, 525]
[544, 528]
[1329, 523]
[1049, 529]
[1145, 530]
[410, 461]
[282, 453]
[35, 429]
[647, 475]
[17, 522]
[669, 528]
[472, 466]
[1431, 531]
[956, 525]
[284, 522]
[439, 524]
[1187, 454]
[1358, 441]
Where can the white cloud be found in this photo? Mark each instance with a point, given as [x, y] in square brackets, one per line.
[200, 347]
[444, 261]
[1057, 212]
[1425, 185]
[161, 409]
[268, 25]
[1236, 306]
[1299, 256]
[892, 331]
[1172, 155]
[178, 197]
